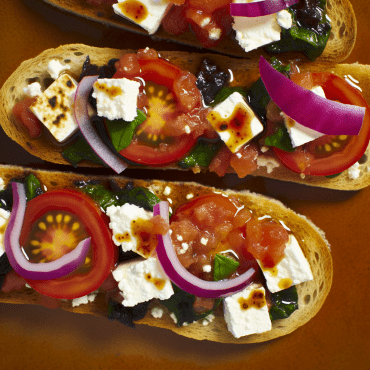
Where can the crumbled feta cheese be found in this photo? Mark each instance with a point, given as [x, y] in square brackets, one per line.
[269, 162]
[208, 319]
[2, 184]
[284, 18]
[204, 241]
[207, 268]
[354, 171]
[121, 218]
[293, 269]
[179, 238]
[251, 33]
[156, 11]
[264, 149]
[298, 133]
[242, 316]
[116, 98]
[167, 190]
[205, 22]
[32, 90]
[215, 33]
[84, 300]
[54, 68]
[157, 312]
[141, 280]
[4, 218]
[54, 108]
[234, 138]
[173, 317]
[184, 248]
[187, 129]
[189, 196]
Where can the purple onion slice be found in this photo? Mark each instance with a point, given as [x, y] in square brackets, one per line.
[307, 108]
[184, 279]
[260, 8]
[82, 118]
[17, 259]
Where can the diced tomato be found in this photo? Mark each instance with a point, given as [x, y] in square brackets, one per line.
[12, 281]
[303, 79]
[208, 6]
[147, 53]
[30, 122]
[185, 88]
[161, 226]
[175, 22]
[243, 216]
[128, 66]
[221, 162]
[244, 162]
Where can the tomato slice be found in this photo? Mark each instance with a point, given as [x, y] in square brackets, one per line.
[78, 206]
[154, 143]
[330, 155]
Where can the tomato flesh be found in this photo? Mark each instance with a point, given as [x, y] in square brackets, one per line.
[101, 257]
[330, 155]
[30, 122]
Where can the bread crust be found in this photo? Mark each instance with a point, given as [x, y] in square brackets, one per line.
[339, 46]
[245, 71]
[315, 247]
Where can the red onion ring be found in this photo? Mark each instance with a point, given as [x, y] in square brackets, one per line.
[36, 271]
[310, 110]
[260, 8]
[80, 111]
[184, 279]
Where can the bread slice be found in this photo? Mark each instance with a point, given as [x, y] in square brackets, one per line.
[339, 46]
[315, 247]
[245, 72]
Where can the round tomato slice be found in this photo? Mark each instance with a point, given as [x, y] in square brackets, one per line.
[330, 155]
[154, 143]
[59, 212]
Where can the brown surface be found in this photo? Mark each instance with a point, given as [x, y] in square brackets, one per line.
[35, 337]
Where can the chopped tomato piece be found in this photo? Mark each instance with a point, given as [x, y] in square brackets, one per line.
[221, 162]
[186, 90]
[30, 122]
[244, 162]
[209, 6]
[175, 22]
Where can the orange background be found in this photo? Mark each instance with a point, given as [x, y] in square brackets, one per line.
[336, 338]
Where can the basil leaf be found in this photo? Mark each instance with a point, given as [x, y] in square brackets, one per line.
[101, 195]
[5, 267]
[333, 176]
[284, 303]
[141, 197]
[280, 139]
[225, 92]
[279, 66]
[33, 187]
[201, 155]
[223, 267]
[80, 150]
[181, 305]
[121, 132]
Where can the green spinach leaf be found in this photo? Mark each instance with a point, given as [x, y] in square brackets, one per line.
[141, 197]
[101, 195]
[284, 303]
[33, 187]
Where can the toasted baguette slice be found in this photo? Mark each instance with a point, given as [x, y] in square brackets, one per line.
[245, 72]
[315, 247]
[339, 46]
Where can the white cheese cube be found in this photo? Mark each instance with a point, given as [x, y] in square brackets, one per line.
[235, 121]
[4, 218]
[84, 300]
[253, 33]
[141, 280]
[293, 269]
[116, 98]
[121, 219]
[54, 107]
[298, 133]
[246, 312]
[33, 89]
[55, 68]
[151, 13]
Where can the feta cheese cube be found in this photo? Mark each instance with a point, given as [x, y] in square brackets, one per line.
[253, 33]
[55, 68]
[54, 108]
[298, 133]
[141, 280]
[246, 312]
[235, 121]
[32, 90]
[121, 219]
[4, 218]
[116, 98]
[293, 269]
[151, 13]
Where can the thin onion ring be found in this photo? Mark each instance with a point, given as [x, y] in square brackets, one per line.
[260, 8]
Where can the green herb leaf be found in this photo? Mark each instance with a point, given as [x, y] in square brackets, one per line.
[5, 267]
[33, 187]
[284, 303]
[80, 150]
[225, 92]
[121, 132]
[141, 197]
[201, 155]
[101, 195]
[280, 139]
[181, 305]
[333, 176]
[223, 267]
